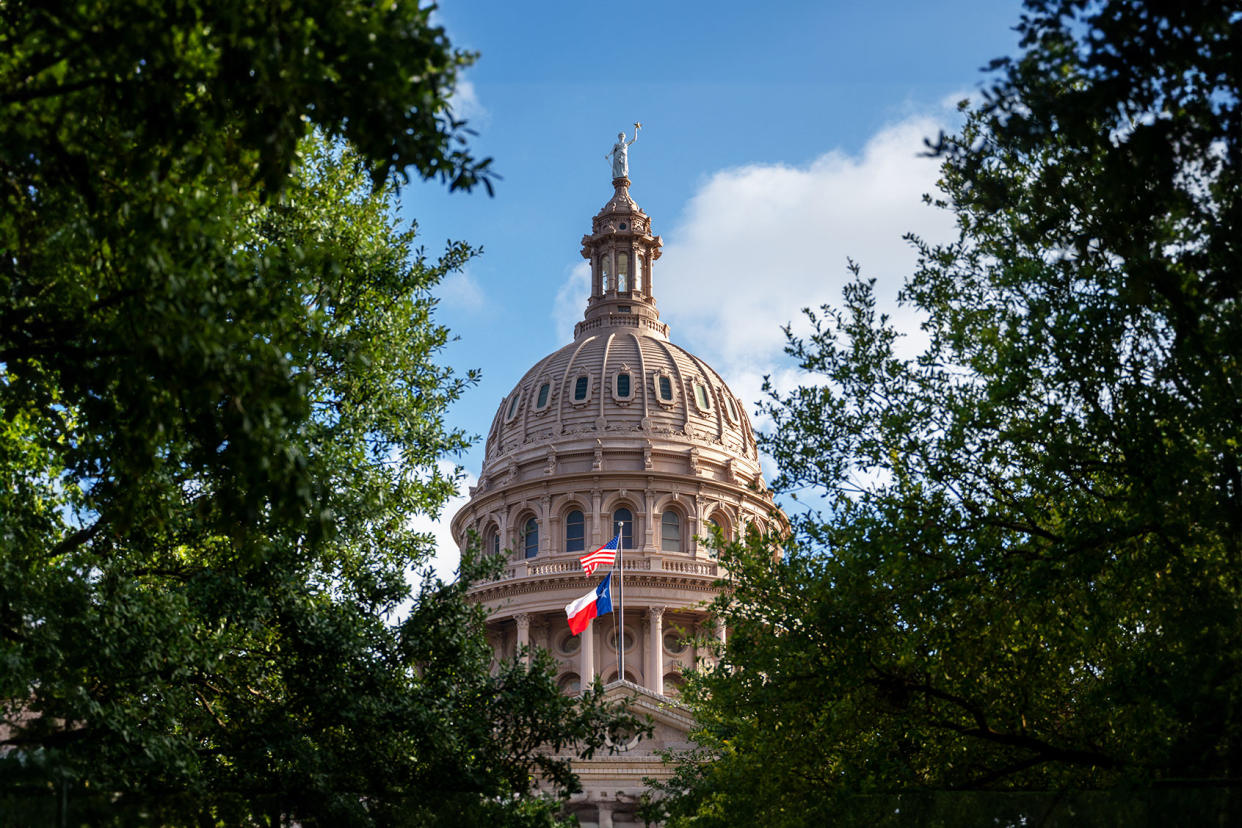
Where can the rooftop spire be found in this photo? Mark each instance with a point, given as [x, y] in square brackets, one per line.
[621, 251]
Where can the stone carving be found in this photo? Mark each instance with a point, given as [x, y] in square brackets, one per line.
[620, 153]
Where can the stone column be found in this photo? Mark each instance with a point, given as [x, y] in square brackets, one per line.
[655, 646]
[586, 657]
[523, 633]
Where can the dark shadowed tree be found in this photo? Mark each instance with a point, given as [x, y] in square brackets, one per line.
[221, 409]
[1025, 578]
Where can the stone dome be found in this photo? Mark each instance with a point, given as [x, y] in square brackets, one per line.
[622, 387]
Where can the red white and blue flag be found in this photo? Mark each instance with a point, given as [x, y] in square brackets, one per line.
[595, 603]
[606, 554]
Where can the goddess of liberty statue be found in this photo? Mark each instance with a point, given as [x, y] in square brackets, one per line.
[620, 153]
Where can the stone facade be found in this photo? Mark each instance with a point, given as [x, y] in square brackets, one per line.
[619, 430]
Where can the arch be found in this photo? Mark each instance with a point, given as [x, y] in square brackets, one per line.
[530, 537]
[575, 530]
[624, 515]
[491, 539]
[670, 530]
[674, 683]
[623, 270]
[570, 683]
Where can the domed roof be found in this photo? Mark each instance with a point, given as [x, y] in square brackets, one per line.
[621, 381]
[621, 377]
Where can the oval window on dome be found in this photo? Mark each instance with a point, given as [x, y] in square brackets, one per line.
[582, 386]
[664, 388]
[513, 406]
[541, 401]
[700, 397]
[730, 408]
[623, 389]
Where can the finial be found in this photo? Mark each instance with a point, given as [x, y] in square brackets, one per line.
[620, 153]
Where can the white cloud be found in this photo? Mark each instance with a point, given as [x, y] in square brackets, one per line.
[571, 298]
[460, 291]
[756, 244]
[466, 104]
[447, 557]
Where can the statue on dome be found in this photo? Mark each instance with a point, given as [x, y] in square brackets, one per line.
[620, 153]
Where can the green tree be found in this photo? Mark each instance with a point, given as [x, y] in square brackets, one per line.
[1024, 573]
[221, 407]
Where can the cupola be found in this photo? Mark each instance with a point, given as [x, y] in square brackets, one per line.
[622, 251]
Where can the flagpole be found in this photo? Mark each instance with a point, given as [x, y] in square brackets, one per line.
[621, 601]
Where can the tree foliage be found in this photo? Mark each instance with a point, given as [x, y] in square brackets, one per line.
[1025, 573]
[221, 408]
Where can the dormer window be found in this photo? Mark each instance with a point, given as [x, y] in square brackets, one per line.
[513, 406]
[730, 408]
[541, 401]
[623, 386]
[701, 398]
[663, 387]
[582, 388]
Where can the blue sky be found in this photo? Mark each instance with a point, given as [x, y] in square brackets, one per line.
[778, 140]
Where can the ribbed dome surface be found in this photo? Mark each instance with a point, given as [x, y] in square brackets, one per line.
[580, 391]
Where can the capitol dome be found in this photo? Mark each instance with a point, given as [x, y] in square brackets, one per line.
[620, 432]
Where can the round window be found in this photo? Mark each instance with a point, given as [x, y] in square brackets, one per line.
[570, 644]
[629, 640]
[674, 643]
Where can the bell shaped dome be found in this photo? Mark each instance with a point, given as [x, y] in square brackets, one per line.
[621, 377]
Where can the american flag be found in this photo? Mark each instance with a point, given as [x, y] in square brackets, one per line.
[604, 555]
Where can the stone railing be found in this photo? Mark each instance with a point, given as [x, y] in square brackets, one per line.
[571, 566]
[690, 567]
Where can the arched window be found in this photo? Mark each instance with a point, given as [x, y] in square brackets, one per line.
[638, 274]
[491, 542]
[542, 400]
[626, 518]
[623, 267]
[530, 537]
[605, 274]
[670, 532]
[575, 532]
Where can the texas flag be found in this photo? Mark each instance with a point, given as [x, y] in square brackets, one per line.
[596, 602]
[606, 554]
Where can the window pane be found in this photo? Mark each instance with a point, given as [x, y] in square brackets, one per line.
[623, 267]
[626, 519]
[543, 396]
[575, 532]
[700, 394]
[580, 388]
[670, 532]
[623, 385]
[512, 406]
[638, 273]
[604, 273]
[531, 537]
[666, 388]
[493, 543]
